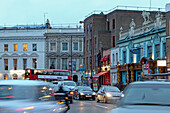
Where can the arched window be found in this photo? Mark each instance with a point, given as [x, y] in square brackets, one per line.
[5, 77]
[15, 77]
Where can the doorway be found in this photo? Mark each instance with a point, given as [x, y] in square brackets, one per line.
[75, 78]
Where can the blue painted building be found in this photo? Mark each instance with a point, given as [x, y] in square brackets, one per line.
[140, 47]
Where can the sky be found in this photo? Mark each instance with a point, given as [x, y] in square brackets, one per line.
[23, 12]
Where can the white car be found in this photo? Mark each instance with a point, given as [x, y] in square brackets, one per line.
[70, 84]
[27, 96]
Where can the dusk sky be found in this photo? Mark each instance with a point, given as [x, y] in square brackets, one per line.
[13, 12]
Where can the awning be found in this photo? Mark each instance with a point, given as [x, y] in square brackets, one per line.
[100, 74]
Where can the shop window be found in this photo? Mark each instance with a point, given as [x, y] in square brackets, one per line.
[6, 77]
[23, 77]
[15, 77]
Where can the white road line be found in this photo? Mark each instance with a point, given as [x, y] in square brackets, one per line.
[102, 106]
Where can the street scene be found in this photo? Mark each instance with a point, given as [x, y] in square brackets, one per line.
[88, 56]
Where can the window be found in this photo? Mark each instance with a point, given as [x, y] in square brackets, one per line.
[52, 63]
[116, 58]
[96, 61]
[91, 28]
[6, 64]
[87, 29]
[5, 77]
[64, 63]
[15, 77]
[113, 59]
[15, 47]
[34, 47]
[75, 46]
[24, 47]
[149, 51]
[52, 46]
[75, 64]
[34, 62]
[90, 44]
[131, 57]
[164, 49]
[113, 23]
[87, 45]
[64, 46]
[87, 62]
[15, 64]
[108, 25]
[113, 41]
[124, 57]
[95, 41]
[157, 50]
[5, 47]
[24, 63]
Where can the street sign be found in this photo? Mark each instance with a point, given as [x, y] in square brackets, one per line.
[135, 51]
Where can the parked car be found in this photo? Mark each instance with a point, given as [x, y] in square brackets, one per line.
[27, 96]
[84, 92]
[68, 91]
[145, 97]
[70, 84]
[108, 94]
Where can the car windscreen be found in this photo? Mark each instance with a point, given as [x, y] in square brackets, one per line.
[36, 93]
[69, 84]
[147, 94]
[112, 89]
[85, 89]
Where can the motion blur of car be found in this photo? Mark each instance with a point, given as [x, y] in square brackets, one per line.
[27, 96]
[70, 84]
[68, 91]
[108, 94]
[84, 92]
[145, 97]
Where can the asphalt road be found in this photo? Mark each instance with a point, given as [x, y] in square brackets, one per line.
[89, 106]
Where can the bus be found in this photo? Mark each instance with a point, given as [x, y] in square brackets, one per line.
[47, 75]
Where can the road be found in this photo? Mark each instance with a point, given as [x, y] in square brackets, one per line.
[89, 106]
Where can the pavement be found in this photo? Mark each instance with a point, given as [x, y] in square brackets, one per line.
[89, 106]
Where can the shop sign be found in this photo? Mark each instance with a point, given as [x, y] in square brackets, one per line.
[135, 51]
[161, 63]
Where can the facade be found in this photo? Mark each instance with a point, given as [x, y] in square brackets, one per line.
[168, 36]
[20, 49]
[64, 46]
[108, 26]
[140, 48]
[113, 67]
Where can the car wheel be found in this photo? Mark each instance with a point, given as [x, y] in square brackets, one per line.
[93, 98]
[97, 99]
[105, 100]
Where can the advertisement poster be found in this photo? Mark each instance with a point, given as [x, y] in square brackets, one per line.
[74, 65]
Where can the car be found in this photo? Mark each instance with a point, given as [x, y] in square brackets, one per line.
[70, 84]
[145, 97]
[28, 96]
[84, 92]
[108, 94]
[68, 91]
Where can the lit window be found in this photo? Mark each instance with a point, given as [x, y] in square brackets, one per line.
[15, 47]
[24, 47]
[34, 61]
[5, 77]
[5, 47]
[53, 46]
[6, 64]
[15, 77]
[15, 64]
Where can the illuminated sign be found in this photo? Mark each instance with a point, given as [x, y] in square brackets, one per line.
[135, 51]
[161, 63]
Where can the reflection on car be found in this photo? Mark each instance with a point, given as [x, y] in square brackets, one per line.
[84, 92]
[108, 94]
[145, 97]
[27, 96]
[70, 84]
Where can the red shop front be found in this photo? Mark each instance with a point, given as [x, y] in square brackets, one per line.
[103, 78]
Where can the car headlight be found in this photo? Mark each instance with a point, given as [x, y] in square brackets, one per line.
[94, 93]
[108, 95]
[81, 93]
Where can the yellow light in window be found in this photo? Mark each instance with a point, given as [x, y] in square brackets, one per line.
[24, 47]
[15, 47]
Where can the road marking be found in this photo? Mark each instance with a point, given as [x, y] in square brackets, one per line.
[101, 106]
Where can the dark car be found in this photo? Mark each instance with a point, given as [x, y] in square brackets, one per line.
[68, 91]
[108, 94]
[84, 92]
[27, 96]
[145, 97]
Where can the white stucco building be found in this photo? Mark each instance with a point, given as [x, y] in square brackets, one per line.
[20, 49]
